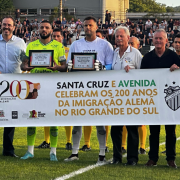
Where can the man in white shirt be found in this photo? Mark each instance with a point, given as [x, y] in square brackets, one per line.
[148, 25]
[110, 33]
[104, 51]
[73, 27]
[125, 57]
[103, 48]
[162, 26]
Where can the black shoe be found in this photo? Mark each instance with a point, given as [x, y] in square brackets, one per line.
[106, 150]
[164, 152]
[101, 160]
[172, 164]
[123, 150]
[85, 148]
[72, 157]
[131, 163]
[68, 146]
[115, 161]
[12, 155]
[44, 144]
[142, 151]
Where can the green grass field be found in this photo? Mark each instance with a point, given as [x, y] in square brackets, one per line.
[40, 167]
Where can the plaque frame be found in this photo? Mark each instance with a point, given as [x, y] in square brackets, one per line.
[85, 68]
[51, 52]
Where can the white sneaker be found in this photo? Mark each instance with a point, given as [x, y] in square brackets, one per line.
[71, 158]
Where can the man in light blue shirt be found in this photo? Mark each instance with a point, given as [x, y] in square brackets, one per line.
[12, 50]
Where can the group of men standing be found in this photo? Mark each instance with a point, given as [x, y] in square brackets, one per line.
[13, 49]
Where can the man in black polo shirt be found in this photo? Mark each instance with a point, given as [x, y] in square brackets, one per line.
[161, 57]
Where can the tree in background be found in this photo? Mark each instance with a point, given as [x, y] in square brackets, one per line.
[6, 8]
[146, 6]
[177, 9]
[169, 9]
[65, 14]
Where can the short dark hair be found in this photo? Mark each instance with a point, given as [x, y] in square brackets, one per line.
[177, 36]
[46, 21]
[9, 17]
[90, 18]
[99, 31]
[57, 30]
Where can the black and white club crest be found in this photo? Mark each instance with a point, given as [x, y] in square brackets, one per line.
[172, 97]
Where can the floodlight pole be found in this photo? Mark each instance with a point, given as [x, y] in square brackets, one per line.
[60, 10]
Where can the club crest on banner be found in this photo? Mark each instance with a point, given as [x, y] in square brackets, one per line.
[172, 97]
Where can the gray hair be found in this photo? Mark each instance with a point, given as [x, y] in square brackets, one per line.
[126, 30]
[161, 30]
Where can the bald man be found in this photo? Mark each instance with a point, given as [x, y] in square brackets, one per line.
[134, 42]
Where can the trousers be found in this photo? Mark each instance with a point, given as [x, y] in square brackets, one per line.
[132, 142]
[170, 142]
[8, 140]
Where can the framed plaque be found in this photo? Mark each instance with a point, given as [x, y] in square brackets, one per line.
[41, 58]
[83, 61]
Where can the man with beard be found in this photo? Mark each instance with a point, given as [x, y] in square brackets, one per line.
[56, 35]
[104, 51]
[12, 49]
[44, 43]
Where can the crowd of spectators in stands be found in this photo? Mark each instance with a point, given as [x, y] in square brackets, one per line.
[144, 31]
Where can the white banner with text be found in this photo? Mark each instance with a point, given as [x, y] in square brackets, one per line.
[140, 97]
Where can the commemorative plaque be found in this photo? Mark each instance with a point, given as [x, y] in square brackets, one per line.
[41, 58]
[83, 61]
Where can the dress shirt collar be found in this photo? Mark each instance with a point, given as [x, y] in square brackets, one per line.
[2, 39]
[128, 50]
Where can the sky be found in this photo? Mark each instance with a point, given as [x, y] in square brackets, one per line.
[169, 2]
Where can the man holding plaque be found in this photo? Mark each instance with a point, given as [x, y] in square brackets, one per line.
[104, 52]
[43, 56]
[56, 35]
[88, 129]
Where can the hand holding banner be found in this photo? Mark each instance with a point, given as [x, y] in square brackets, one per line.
[90, 98]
